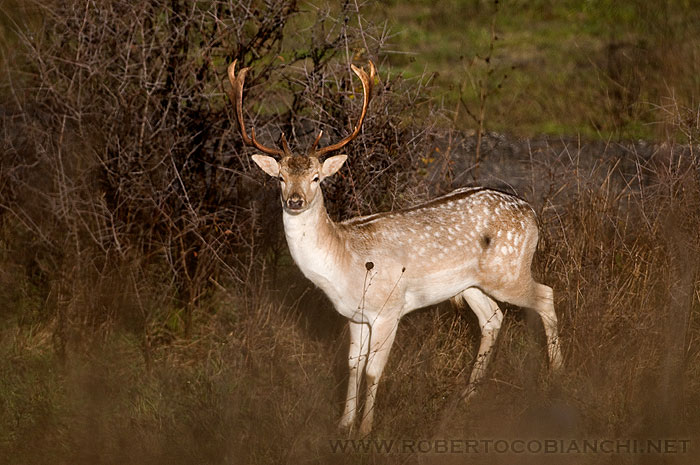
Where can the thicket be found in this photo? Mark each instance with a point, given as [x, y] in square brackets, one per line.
[125, 181]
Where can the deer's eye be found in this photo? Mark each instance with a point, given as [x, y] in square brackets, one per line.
[281, 179]
[315, 179]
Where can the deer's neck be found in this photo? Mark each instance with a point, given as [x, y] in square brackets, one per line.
[316, 244]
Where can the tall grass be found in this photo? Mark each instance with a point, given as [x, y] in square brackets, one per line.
[151, 312]
[263, 383]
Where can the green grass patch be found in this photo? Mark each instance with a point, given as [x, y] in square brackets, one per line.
[565, 60]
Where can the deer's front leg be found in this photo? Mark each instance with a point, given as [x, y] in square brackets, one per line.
[359, 346]
[382, 338]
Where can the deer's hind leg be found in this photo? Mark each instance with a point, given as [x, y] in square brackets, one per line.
[490, 318]
[522, 290]
[539, 298]
[543, 303]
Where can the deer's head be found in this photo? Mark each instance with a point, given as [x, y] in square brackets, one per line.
[299, 175]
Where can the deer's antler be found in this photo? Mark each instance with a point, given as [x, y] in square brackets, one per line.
[237, 97]
[367, 83]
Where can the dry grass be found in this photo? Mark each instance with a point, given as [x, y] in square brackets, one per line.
[263, 383]
[151, 313]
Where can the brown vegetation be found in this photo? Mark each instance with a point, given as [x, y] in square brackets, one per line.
[151, 313]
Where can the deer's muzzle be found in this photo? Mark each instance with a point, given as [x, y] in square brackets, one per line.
[295, 202]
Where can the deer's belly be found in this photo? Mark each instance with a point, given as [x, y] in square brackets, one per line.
[431, 289]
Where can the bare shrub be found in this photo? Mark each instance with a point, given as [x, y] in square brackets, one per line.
[124, 170]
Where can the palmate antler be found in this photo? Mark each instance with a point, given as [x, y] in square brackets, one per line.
[237, 83]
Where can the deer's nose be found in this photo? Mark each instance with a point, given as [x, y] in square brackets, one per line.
[295, 202]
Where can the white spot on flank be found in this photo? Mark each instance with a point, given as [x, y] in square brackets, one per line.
[509, 236]
[460, 243]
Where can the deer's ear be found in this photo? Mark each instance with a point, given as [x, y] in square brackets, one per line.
[267, 164]
[332, 165]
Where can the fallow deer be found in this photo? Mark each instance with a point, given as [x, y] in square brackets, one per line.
[473, 244]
